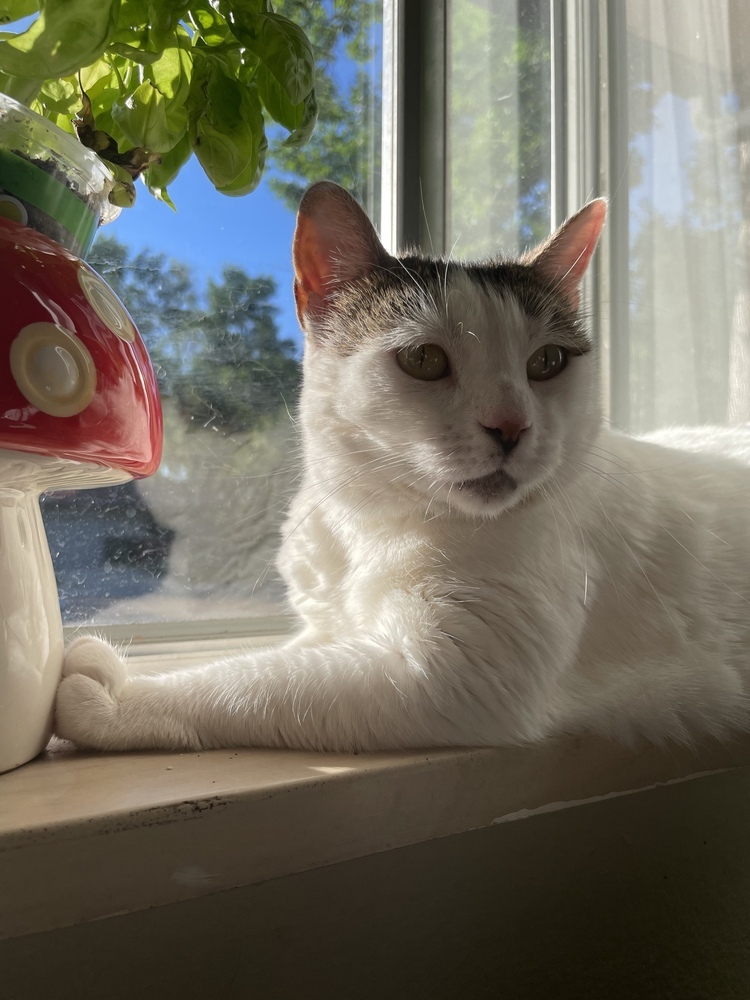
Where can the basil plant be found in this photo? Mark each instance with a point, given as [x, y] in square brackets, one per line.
[147, 83]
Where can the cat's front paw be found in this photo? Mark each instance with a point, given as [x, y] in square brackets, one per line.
[88, 699]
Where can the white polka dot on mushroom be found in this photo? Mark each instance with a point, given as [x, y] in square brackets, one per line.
[53, 369]
[13, 209]
[105, 303]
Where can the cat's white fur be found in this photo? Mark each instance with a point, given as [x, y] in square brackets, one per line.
[607, 591]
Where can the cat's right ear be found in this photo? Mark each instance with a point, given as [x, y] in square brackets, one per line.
[334, 243]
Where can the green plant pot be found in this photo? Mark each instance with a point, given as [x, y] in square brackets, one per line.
[49, 181]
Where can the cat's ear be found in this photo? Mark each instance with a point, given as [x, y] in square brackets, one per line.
[564, 257]
[334, 243]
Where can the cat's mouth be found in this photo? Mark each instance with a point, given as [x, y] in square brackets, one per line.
[489, 487]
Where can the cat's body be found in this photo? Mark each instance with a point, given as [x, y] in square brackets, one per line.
[475, 559]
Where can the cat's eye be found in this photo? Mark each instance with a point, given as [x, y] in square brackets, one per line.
[427, 362]
[547, 362]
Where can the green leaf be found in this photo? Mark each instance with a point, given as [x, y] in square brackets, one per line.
[242, 9]
[251, 176]
[104, 86]
[148, 119]
[163, 18]
[307, 126]
[137, 55]
[123, 193]
[276, 100]
[14, 10]
[62, 121]
[133, 13]
[159, 176]
[61, 96]
[23, 90]
[208, 22]
[65, 37]
[172, 71]
[283, 47]
[161, 194]
[97, 77]
[229, 139]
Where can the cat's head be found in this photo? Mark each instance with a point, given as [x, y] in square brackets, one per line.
[433, 381]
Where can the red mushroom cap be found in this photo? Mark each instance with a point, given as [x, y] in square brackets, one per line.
[76, 380]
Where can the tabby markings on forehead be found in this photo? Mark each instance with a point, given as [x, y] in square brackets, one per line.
[382, 299]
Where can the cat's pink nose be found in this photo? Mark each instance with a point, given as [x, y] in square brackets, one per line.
[506, 433]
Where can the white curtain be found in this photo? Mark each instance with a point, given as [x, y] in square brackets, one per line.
[688, 176]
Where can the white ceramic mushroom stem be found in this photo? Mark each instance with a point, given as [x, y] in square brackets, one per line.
[31, 638]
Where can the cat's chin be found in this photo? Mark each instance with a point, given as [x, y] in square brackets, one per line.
[486, 496]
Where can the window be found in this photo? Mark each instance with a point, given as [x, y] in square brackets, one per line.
[498, 126]
[497, 117]
[681, 176]
[210, 289]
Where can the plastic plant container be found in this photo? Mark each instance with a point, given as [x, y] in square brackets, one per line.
[49, 181]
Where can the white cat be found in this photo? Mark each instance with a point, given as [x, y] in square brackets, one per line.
[476, 560]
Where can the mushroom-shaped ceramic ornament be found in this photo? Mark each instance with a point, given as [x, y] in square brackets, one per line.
[79, 407]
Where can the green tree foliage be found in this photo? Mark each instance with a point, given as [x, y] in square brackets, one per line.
[499, 125]
[160, 294]
[241, 371]
[217, 353]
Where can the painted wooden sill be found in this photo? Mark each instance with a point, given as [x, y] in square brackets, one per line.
[86, 836]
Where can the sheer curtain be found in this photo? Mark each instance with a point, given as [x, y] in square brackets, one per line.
[688, 179]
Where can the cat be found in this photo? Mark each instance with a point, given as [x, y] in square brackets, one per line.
[476, 559]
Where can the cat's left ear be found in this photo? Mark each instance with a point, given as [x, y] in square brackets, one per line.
[334, 243]
[564, 257]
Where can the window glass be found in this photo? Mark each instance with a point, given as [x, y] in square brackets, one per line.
[210, 290]
[499, 135]
[684, 356]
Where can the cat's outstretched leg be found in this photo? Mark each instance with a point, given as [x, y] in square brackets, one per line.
[353, 695]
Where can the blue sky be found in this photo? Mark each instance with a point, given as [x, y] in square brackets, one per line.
[209, 230]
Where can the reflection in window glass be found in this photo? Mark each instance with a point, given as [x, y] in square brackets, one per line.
[687, 357]
[499, 135]
[210, 290]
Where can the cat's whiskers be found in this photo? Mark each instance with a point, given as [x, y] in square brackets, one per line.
[292, 419]
[596, 548]
[618, 480]
[606, 454]
[435, 493]
[552, 505]
[448, 260]
[683, 461]
[563, 495]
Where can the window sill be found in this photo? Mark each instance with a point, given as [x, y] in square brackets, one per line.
[158, 646]
[86, 836]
